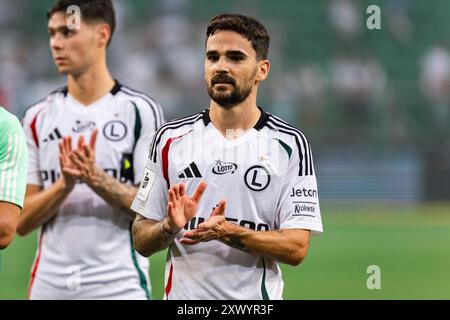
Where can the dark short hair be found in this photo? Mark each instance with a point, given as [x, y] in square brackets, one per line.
[246, 26]
[91, 11]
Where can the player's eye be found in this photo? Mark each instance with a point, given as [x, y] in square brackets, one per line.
[212, 57]
[236, 58]
[67, 33]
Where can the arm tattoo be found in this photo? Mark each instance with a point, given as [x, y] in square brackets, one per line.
[118, 194]
[235, 242]
[161, 236]
[151, 236]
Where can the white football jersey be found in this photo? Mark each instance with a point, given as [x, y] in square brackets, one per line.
[86, 251]
[266, 176]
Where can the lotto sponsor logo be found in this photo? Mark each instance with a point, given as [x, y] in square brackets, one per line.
[81, 126]
[221, 168]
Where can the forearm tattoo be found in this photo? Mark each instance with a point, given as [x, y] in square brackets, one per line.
[163, 236]
[150, 236]
[114, 192]
[234, 242]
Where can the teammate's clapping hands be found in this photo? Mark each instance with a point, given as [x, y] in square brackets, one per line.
[66, 164]
[79, 164]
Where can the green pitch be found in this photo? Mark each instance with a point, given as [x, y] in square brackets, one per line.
[411, 245]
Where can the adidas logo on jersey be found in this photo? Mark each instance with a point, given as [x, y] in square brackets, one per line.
[54, 135]
[190, 172]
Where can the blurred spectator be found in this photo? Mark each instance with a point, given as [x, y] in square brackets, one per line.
[312, 84]
[435, 82]
[345, 18]
[180, 62]
[12, 75]
[357, 82]
[284, 95]
[9, 13]
[399, 23]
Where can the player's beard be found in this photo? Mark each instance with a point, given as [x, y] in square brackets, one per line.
[228, 99]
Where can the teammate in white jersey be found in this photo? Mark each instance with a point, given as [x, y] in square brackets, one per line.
[85, 247]
[232, 190]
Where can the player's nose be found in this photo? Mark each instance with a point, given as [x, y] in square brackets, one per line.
[222, 66]
[56, 42]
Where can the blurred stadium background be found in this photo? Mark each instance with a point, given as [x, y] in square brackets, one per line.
[375, 105]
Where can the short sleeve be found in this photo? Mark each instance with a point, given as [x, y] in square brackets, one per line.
[151, 198]
[299, 203]
[13, 162]
[151, 118]
[31, 137]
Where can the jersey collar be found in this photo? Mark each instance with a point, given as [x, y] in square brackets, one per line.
[258, 126]
[114, 90]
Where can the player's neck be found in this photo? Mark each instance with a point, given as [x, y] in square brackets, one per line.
[240, 118]
[91, 85]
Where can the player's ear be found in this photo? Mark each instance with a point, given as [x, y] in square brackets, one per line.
[104, 33]
[263, 70]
